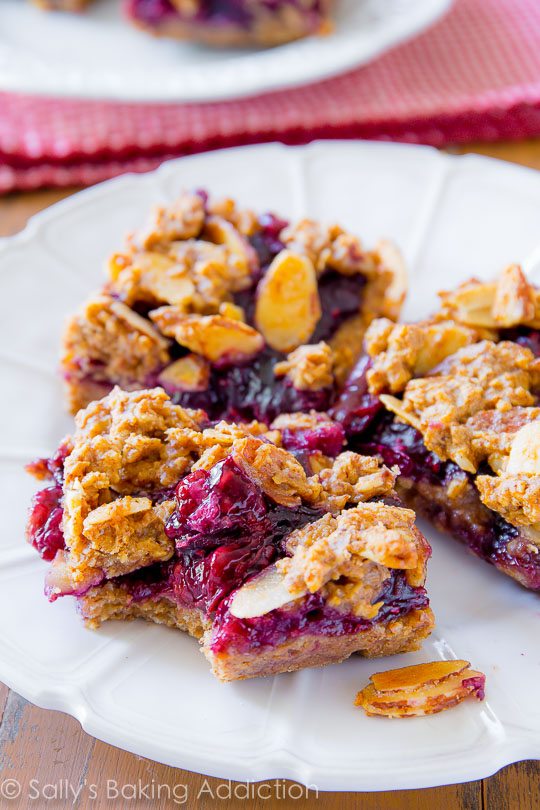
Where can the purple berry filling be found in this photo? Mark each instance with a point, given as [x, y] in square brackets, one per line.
[252, 392]
[217, 12]
[326, 437]
[225, 530]
[356, 408]
[313, 617]
[44, 529]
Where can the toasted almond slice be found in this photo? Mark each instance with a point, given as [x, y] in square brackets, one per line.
[415, 676]
[472, 304]
[525, 451]
[137, 322]
[232, 311]
[396, 406]
[242, 256]
[421, 690]
[514, 299]
[221, 340]
[189, 373]
[130, 506]
[260, 595]
[429, 700]
[288, 307]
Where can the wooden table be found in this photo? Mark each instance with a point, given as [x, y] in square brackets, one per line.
[51, 748]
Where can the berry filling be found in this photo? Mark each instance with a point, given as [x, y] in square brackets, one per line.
[44, 530]
[217, 12]
[311, 616]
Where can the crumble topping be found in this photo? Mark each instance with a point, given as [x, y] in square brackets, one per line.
[243, 219]
[309, 368]
[329, 246]
[484, 376]
[276, 471]
[352, 478]
[181, 219]
[515, 497]
[124, 533]
[193, 276]
[515, 491]
[511, 301]
[421, 690]
[403, 351]
[214, 337]
[350, 554]
[108, 339]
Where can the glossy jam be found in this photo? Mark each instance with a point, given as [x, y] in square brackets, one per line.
[217, 12]
[356, 408]
[44, 526]
[312, 617]
[225, 529]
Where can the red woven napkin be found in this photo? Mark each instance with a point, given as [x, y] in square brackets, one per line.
[473, 76]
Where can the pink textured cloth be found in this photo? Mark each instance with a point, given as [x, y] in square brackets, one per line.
[473, 76]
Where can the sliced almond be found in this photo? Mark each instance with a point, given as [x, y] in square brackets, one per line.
[421, 690]
[137, 322]
[262, 594]
[242, 257]
[60, 578]
[415, 676]
[525, 451]
[221, 340]
[288, 307]
[232, 311]
[189, 373]
[442, 340]
[396, 406]
[514, 298]
[472, 304]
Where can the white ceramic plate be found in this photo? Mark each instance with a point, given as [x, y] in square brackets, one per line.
[148, 689]
[98, 55]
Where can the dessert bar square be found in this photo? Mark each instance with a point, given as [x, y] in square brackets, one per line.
[453, 402]
[273, 546]
[232, 22]
[243, 315]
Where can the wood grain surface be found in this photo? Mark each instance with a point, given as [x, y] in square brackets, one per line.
[57, 765]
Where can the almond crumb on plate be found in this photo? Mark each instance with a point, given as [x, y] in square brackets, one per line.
[420, 690]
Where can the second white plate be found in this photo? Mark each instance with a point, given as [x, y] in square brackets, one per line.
[99, 55]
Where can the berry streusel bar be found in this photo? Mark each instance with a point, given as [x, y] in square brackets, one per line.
[232, 22]
[453, 402]
[276, 559]
[242, 315]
